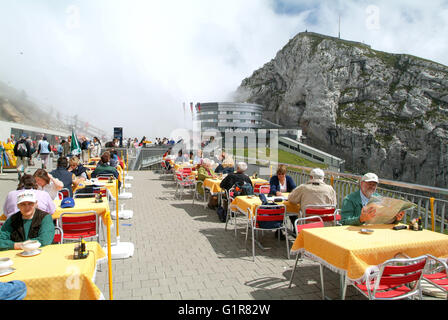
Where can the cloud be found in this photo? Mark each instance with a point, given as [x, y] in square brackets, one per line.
[133, 63]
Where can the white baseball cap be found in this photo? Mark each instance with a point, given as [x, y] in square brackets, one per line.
[26, 196]
[370, 177]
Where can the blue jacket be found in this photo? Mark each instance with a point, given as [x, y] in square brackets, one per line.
[275, 184]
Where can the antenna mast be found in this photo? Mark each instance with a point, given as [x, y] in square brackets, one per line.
[339, 32]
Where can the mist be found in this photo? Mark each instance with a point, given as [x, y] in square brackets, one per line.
[132, 64]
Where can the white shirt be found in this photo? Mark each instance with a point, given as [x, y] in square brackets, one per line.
[283, 187]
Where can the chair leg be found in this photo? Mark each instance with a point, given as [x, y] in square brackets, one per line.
[287, 243]
[344, 289]
[253, 245]
[294, 270]
[321, 271]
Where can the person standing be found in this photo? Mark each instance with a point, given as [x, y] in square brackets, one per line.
[95, 148]
[22, 151]
[44, 151]
[84, 150]
[67, 147]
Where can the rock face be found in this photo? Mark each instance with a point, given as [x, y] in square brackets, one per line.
[381, 112]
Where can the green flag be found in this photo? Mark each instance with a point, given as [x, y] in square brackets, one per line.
[75, 147]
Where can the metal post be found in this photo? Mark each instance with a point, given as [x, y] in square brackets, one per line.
[433, 222]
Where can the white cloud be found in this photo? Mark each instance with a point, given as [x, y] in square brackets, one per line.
[133, 63]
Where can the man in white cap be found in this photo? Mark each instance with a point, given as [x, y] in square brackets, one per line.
[314, 192]
[353, 211]
[30, 223]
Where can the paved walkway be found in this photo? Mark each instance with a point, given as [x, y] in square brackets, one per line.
[183, 252]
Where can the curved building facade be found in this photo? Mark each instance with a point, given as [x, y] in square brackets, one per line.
[229, 116]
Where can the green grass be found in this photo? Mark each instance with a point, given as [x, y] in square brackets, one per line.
[284, 157]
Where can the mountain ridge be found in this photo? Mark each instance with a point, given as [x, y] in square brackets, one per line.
[381, 112]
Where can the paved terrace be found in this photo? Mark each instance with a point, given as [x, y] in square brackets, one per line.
[183, 252]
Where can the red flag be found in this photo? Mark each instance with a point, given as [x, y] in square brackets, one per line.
[191, 107]
[199, 107]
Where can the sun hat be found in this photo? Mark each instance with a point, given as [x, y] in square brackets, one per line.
[26, 196]
[370, 177]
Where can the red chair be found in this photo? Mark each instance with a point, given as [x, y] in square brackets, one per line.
[184, 181]
[79, 224]
[63, 193]
[58, 235]
[267, 217]
[436, 273]
[327, 212]
[317, 222]
[262, 188]
[392, 280]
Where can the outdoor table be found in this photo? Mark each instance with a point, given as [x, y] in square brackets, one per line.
[55, 275]
[243, 203]
[102, 209]
[103, 183]
[213, 184]
[347, 251]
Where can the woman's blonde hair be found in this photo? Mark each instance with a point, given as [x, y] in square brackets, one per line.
[228, 163]
[74, 160]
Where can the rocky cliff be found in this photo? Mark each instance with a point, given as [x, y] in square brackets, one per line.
[381, 112]
[16, 107]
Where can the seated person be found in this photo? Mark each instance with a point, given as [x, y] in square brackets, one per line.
[104, 168]
[315, 191]
[226, 167]
[67, 178]
[13, 290]
[353, 211]
[234, 177]
[77, 169]
[27, 182]
[198, 158]
[180, 158]
[281, 183]
[205, 171]
[48, 183]
[30, 223]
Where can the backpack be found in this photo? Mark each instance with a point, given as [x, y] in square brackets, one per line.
[22, 150]
[222, 214]
[243, 189]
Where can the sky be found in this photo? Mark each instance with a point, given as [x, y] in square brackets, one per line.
[133, 63]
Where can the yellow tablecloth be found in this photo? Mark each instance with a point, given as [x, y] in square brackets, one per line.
[54, 274]
[110, 186]
[85, 204]
[213, 184]
[346, 249]
[245, 202]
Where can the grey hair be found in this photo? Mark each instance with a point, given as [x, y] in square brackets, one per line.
[241, 166]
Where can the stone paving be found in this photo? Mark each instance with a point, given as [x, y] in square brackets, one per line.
[183, 252]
